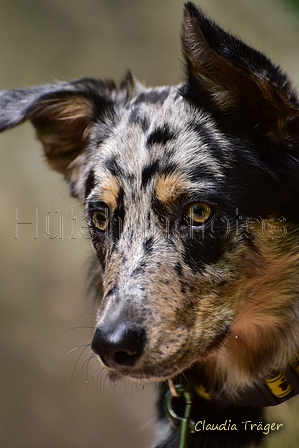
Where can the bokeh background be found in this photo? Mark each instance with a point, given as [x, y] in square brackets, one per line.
[50, 395]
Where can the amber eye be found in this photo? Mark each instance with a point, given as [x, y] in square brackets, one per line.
[198, 214]
[100, 220]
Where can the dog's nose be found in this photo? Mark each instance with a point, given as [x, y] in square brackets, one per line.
[119, 346]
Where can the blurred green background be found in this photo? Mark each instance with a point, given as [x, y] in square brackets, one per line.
[49, 398]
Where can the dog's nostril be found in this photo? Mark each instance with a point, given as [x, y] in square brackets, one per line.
[123, 358]
[119, 346]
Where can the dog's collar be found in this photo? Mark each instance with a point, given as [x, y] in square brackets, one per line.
[271, 392]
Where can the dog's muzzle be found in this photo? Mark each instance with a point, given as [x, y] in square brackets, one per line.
[119, 344]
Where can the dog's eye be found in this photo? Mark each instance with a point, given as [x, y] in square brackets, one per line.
[100, 220]
[199, 213]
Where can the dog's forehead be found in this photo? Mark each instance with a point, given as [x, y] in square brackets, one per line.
[160, 137]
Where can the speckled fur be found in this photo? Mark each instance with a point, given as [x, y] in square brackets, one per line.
[220, 299]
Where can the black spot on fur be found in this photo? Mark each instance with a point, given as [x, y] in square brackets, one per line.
[178, 269]
[119, 215]
[207, 138]
[112, 166]
[141, 120]
[99, 142]
[169, 168]
[200, 252]
[111, 291]
[148, 245]
[160, 136]
[89, 184]
[196, 173]
[139, 270]
[172, 244]
[223, 333]
[153, 96]
[148, 172]
[183, 289]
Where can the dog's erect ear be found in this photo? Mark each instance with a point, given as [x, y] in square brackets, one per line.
[229, 77]
[62, 115]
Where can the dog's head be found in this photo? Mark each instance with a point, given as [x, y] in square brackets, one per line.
[190, 198]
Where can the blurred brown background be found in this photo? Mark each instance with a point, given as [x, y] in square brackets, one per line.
[49, 398]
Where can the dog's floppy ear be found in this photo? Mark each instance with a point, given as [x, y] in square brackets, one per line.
[62, 115]
[230, 78]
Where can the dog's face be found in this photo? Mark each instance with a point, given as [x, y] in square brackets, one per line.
[189, 194]
[154, 204]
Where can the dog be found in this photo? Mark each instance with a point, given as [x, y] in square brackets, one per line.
[190, 196]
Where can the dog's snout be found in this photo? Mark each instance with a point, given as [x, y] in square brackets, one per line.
[119, 346]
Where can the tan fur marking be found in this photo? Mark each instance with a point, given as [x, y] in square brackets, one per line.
[169, 188]
[265, 315]
[73, 108]
[109, 192]
[62, 141]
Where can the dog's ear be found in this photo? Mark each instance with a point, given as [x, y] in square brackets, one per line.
[62, 115]
[228, 77]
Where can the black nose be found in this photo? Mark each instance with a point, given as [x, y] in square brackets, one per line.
[119, 346]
